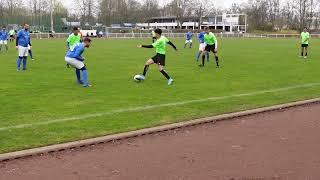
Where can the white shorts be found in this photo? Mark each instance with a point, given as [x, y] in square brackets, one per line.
[188, 41]
[3, 42]
[202, 46]
[29, 47]
[23, 51]
[74, 62]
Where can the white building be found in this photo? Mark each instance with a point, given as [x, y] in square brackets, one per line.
[226, 22]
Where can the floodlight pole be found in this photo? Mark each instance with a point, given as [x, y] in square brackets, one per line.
[51, 14]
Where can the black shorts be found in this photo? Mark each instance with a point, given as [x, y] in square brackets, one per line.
[210, 48]
[11, 36]
[304, 45]
[159, 59]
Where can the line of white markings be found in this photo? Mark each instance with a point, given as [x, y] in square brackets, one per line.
[143, 108]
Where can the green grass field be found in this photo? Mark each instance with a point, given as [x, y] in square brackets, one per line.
[45, 106]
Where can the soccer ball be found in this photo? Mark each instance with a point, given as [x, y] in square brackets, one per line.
[138, 78]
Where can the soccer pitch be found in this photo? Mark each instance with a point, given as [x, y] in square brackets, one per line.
[45, 106]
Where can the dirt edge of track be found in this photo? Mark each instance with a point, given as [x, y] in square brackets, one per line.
[142, 132]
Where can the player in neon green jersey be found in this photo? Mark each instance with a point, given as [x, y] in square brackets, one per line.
[211, 46]
[12, 33]
[160, 58]
[73, 38]
[305, 37]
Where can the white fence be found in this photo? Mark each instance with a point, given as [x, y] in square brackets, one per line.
[175, 35]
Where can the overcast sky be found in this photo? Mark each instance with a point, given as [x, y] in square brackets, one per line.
[219, 3]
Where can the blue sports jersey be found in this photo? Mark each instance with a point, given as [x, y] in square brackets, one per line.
[189, 35]
[201, 37]
[77, 52]
[4, 35]
[23, 38]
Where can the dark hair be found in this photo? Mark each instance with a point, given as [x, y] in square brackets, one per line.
[87, 39]
[158, 31]
[75, 28]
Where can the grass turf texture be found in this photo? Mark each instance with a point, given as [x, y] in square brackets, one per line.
[49, 91]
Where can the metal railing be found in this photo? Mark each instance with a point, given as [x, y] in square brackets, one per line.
[174, 35]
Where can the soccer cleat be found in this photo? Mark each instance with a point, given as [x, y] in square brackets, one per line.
[306, 57]
[24, 69]
[32, 59]
[88, 85]
[142, 78]
[200, 65]
[80, 82]
[170, 81]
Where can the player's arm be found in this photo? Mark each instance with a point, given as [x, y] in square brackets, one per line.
[77, 54]
[30, 44]
[216, 43]
[172, 45]
[146, 46]
[308, 37]
[68, 45]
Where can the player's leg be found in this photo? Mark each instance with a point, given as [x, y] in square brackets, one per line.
[20, 57]
[302, 50]
[79, 65]
[1, 43]
[198, 55]
[215, 52]
[85, 77]
[31, 54]
[217, 59]
[185, 44]
[78, 74]
[165, 74]
[25, 57]
[201, 49]
[205, 54]
[190, 44]
[7, 47]
[146, 67]
[306, 52]
[24, 63]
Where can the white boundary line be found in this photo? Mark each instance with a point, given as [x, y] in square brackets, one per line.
[143, 108]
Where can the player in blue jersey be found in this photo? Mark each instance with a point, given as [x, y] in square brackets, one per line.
[202, 46]
[74, 58]
[23, 41]
[189, 37]
[4, 35]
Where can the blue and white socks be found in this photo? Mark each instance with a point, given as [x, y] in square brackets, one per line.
[85, 78]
